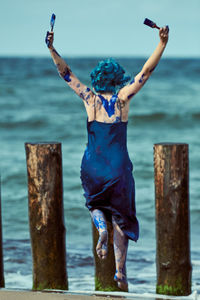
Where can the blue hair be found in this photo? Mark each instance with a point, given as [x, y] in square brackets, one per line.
[108, 76]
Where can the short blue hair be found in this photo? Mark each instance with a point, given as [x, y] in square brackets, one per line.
[108, 76]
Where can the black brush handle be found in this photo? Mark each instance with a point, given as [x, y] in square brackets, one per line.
[150, 23]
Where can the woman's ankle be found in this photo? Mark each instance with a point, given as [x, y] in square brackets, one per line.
[119, 276]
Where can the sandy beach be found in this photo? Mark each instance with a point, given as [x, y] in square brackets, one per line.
[90, 295]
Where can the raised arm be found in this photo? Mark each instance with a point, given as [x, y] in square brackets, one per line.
[127, 92]
[65, 72]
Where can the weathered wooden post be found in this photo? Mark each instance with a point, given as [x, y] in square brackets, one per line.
[104, 269]
[172, 219]
[47, 229]
[2, 282]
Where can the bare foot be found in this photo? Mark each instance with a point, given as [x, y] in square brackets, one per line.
[121, 281]
[102, 245]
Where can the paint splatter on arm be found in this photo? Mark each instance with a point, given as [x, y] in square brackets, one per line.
[130, 90]
[65, 72]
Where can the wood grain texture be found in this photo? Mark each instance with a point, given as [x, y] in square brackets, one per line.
[2, 281]
[46, 219]
[171, 165]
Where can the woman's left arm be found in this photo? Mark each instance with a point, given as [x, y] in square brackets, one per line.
[131, 89]
[65, 72]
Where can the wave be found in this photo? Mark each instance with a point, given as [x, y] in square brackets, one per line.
[27, 124]
[148, 117]
[162, 116]
[196, 116]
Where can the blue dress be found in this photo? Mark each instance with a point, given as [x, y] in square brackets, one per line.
[106, 175]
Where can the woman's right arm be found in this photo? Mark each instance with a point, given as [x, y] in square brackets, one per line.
[127, 92]
[65, 72]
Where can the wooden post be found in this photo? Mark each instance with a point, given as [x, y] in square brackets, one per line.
[47, 229]
[2, 282]
[172, 219]
[104, 269]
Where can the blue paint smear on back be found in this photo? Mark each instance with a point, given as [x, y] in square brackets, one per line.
[109, 105]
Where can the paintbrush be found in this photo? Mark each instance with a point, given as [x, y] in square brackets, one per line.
[52, 22]
[150, 23]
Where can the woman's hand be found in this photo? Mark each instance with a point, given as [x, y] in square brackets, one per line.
[164, 34]
[49, 39]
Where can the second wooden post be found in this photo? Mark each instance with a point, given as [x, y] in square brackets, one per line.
[172, 219]
[47, 229]
[2, 282]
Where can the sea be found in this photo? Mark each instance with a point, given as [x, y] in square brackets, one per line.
[36, 105]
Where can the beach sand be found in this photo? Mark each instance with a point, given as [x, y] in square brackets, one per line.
[19, 295]
[29, 295]
[53, 295]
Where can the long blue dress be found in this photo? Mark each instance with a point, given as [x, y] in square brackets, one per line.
[106, 175]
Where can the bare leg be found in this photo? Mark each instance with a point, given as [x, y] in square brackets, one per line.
[99, 220]
[120, 250]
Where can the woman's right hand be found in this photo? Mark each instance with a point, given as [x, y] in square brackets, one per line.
[164, 34]
[49, 39]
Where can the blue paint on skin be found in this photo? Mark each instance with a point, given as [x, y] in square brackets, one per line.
[141, 78]
[96, 223]
[99, 220]
[153, 69]
[87, 90]
[117, 120]
[55, 52]
[87, 98]
[120, 249]
[132, 81]
[66, 75]
[109, 105]
[131, 95]
[78, 85]
[82, 95]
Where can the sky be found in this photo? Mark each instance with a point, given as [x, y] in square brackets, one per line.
[99, 28]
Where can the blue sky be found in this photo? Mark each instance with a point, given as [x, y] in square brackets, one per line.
[105, 27]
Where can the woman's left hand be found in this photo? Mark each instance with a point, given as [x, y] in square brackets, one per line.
[164, 34]
[49, 39]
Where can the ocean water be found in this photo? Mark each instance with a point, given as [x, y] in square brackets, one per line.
[36, 105]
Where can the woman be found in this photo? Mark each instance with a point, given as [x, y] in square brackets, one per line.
[106, 170]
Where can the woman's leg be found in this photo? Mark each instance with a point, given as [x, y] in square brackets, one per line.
[120, 249]
[99, 220]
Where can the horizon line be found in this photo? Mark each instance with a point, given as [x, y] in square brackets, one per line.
[123, 56]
